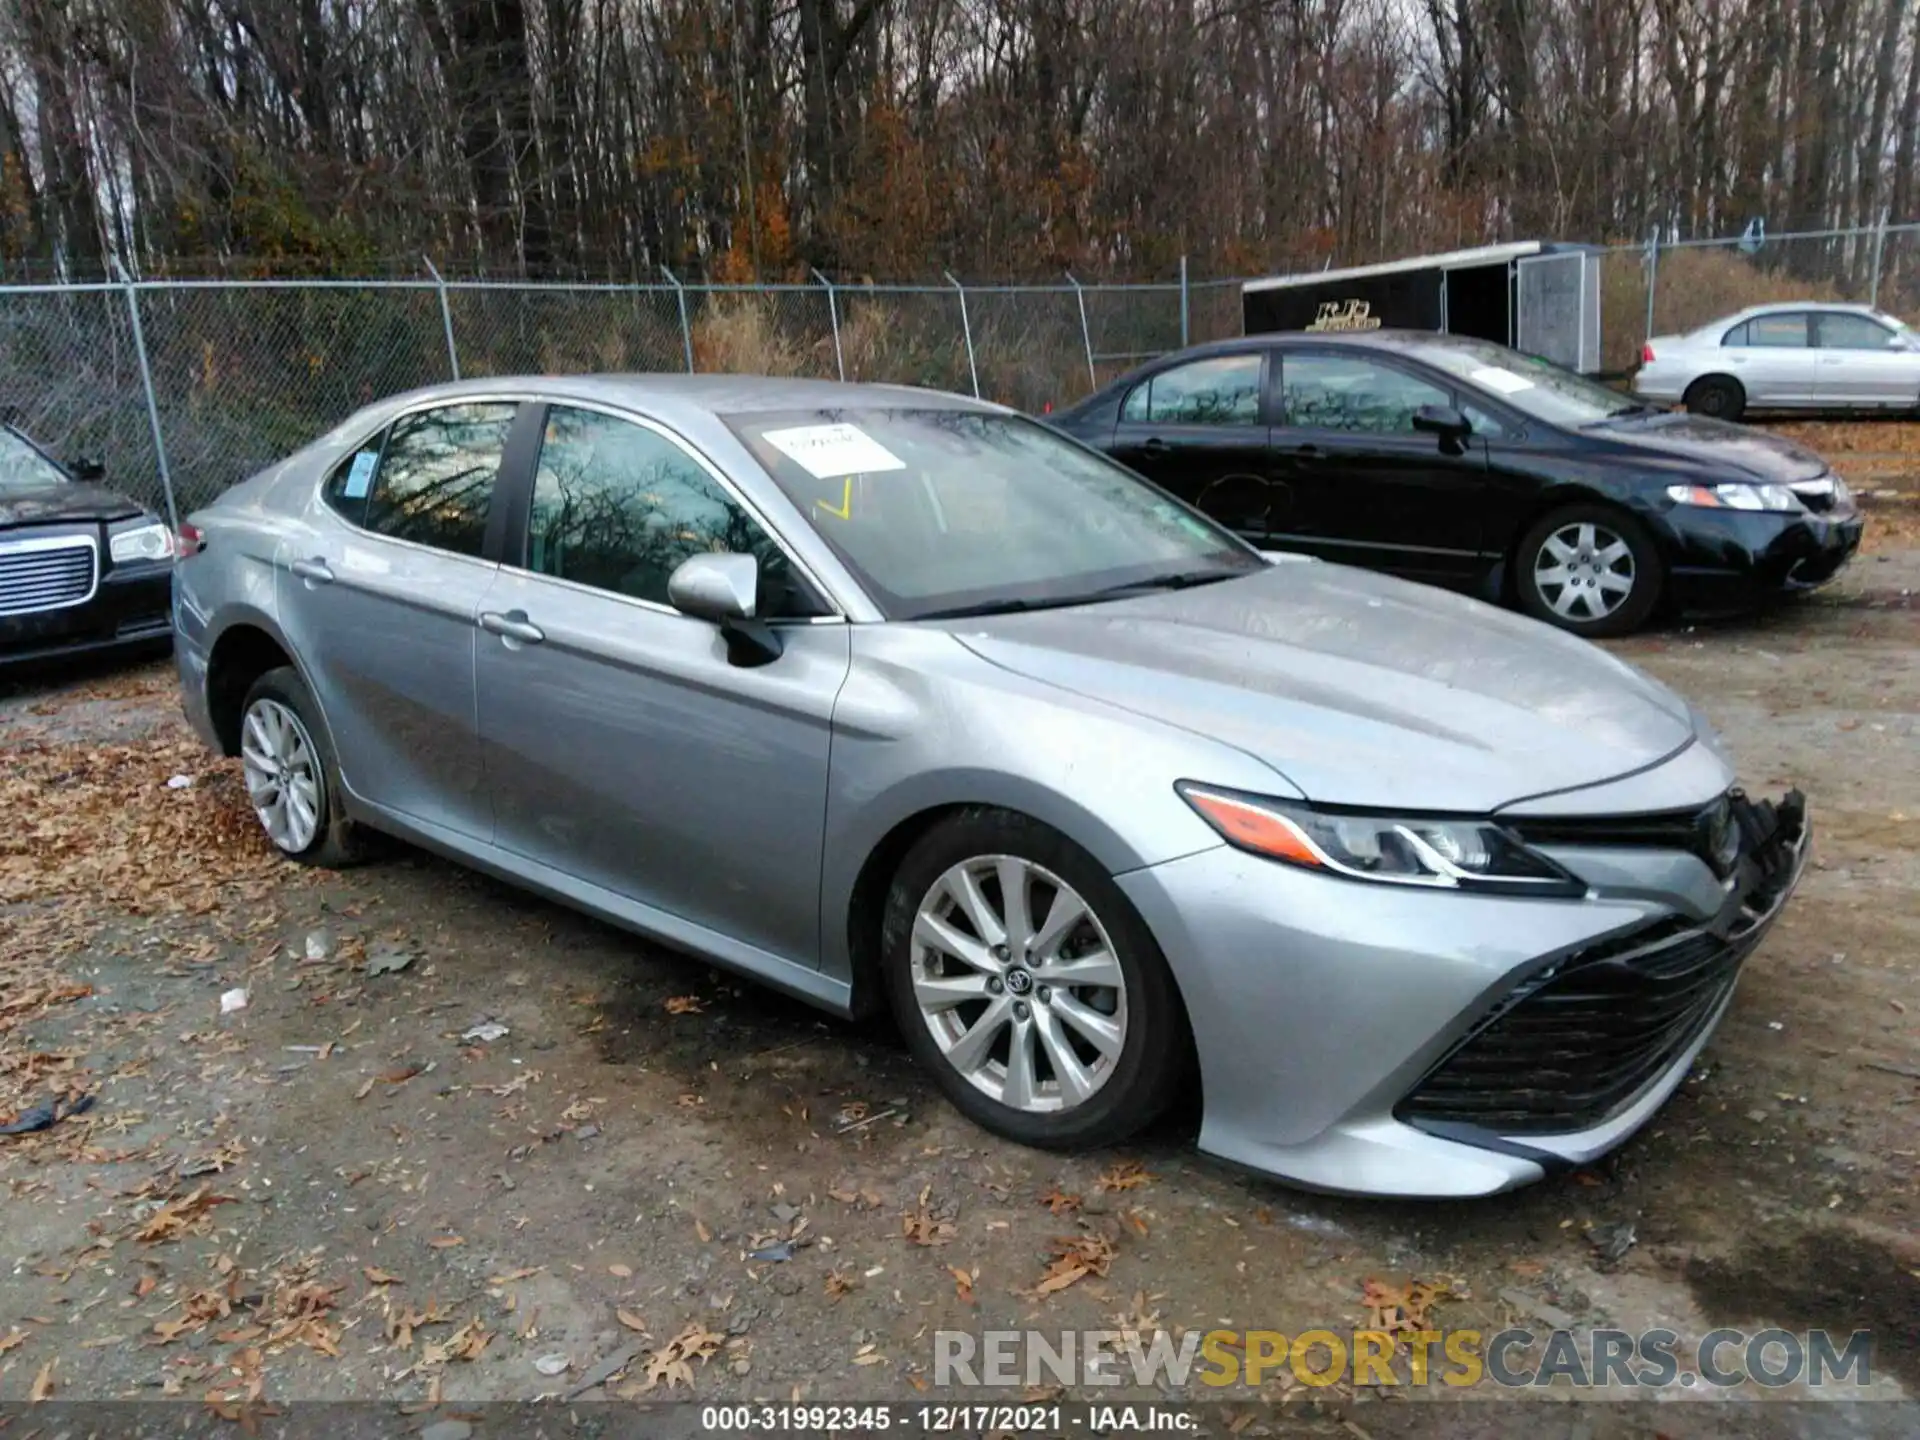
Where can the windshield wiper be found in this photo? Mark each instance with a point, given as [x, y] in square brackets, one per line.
[1634, 409]
[1172, 580]
[995, 607]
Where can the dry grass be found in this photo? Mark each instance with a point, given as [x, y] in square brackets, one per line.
[739, 335]
[1691, 288]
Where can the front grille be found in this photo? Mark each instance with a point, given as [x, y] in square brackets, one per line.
[1578, 1041]
[46, 574]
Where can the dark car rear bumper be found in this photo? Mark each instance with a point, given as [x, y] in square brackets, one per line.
[1728, 559]
[126, 611]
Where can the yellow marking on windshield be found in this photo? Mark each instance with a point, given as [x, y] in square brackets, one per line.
[845, 510]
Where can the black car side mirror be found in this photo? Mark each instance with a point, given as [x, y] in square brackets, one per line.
[1442, 420]
[88, 470]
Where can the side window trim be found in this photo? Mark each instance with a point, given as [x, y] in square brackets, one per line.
[522, 502]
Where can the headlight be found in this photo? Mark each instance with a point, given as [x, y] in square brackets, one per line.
[1735, 497]
[142, 542]
[1438, 852]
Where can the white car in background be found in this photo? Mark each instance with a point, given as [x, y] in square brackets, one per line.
[1786, 357]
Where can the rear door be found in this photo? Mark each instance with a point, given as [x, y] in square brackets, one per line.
[1773, 359]
[1368, 488]
[378, 596]
[621, 746]
[1199, 429]
[1863, 362]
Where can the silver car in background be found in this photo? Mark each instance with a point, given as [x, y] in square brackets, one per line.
[1786, 357]
[887, 697]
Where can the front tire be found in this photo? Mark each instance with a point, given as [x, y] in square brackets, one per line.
[292, 779]
[1025, 981]
[1589, 569]
[1718, 396]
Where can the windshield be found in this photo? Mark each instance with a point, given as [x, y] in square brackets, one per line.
[24, 468]
[946, 512]
[1535, 387]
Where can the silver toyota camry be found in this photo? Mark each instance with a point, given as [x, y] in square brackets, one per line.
[888, 697]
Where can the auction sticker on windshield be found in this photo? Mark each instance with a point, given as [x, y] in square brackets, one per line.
[831, 451]
[1494, 377]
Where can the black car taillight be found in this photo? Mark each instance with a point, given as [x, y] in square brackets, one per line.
[188, 540]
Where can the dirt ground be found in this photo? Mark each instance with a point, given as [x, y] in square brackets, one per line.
[341, 1192]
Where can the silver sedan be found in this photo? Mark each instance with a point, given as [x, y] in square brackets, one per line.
[1786, 357]
[886, 697]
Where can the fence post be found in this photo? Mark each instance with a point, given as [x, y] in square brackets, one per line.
[1185, 309]
[686, 330]
[446, 317]
[1879, 244]
[833, 316]
[966, 329]
[153, 401]
[1086, 335]
[1653, 275]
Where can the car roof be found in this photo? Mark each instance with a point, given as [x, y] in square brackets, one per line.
[675, 397]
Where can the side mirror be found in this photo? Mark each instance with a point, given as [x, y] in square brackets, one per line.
[88, 470]
[1442, 420]
[725, 589]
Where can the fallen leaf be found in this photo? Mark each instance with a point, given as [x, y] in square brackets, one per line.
[839, 1283]
[1136, 1220]
[672, 1361]
[684, 1005]
[13, 1341]
[376, 1276]
[624, 1272]
[42, 1383]
[1074, 1258]
[922, 1229]
[700, 1229]
[1528, 1268]
[962, 1283]
[1060, 1202]
[1123, 1175]
[631, 1320]
[445, 1242]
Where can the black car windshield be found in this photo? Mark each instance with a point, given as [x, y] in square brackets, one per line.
[950, 512]
[1536, 388]
[22, 467]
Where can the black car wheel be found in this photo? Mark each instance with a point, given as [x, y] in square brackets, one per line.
[1719, 396]
[1030, 988]
[292, 780]
[1590, 569]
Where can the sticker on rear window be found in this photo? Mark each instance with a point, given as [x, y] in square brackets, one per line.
[828, 452]
[1505, 381]
[360, 477]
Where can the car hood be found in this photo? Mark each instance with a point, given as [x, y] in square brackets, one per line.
[44, 504]
[1358, 688]
[1757, 454]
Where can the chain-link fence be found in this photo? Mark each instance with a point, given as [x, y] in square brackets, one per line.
[182, 388]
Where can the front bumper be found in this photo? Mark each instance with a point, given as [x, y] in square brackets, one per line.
[1378, 1040]
[1729, 559]
[130, 607]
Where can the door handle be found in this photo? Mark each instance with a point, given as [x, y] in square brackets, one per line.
[314, 571]
[1156, 446]
[513, 625]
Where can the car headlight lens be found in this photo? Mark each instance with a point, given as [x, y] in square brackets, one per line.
[142, 542]
[1439, 852]
[1735, 497]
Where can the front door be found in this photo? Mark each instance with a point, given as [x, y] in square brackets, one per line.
[1197, 429]
[377, 593]
[621, 747]
[1369, 489]
[1863, 362]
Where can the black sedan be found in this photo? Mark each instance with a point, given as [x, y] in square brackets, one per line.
[82, 568]
[1463, 463]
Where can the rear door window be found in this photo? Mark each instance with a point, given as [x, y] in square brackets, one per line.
[435, 480]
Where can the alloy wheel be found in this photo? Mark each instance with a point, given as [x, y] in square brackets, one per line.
[1584, 571]
[282, 771]
[1018, 983]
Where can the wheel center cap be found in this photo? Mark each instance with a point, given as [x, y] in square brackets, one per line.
[1019, 982]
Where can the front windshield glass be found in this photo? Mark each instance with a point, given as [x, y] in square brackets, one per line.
[24, 468]
[1535, 387]
[944, 512]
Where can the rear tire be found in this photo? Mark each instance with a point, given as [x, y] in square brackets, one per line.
[1720, 397]
[292, 778]
[1069, 1035]
[1589, 569]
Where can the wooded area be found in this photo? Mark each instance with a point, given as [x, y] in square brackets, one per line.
[745, 139]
